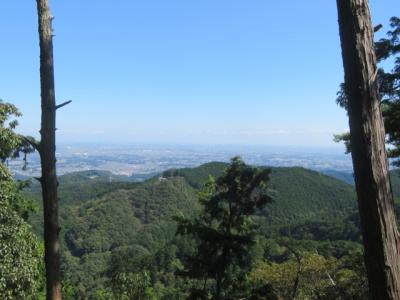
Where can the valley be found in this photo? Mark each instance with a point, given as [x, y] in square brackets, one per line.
[102, 218]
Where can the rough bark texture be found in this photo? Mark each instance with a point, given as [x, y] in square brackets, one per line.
[375, 200]
[47, 150]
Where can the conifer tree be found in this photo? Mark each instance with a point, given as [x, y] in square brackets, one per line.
[224, 231]
[389, 90]
[367, 138]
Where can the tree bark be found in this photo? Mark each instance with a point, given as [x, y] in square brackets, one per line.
[367, 135]
[47, 150]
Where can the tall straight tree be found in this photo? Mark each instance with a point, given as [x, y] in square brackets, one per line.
[367, 136]
[47, 149]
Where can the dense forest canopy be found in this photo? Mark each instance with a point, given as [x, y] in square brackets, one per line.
[127, 230]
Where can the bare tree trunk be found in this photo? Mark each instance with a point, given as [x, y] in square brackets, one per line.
[375, 199]
[298, 272]
[218, 292]
[47, 150]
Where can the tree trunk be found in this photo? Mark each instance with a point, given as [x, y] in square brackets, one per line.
[47, 150]
[218, 292]
[375, 199]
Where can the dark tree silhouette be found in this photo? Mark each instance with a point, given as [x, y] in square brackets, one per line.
[47, 149]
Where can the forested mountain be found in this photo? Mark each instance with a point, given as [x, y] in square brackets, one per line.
[343, 176]
[299, 194]
[101, 218]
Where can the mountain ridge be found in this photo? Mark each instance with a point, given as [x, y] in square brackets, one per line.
[99, 217]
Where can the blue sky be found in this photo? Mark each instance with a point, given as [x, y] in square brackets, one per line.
[187, 71]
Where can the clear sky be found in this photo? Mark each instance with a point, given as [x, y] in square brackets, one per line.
[183, 71]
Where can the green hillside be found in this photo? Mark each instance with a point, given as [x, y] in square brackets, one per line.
[100, 217]
[75, 188]
[80, 186]
[299, 194]
[139, 214]
[115, 219]
[196, 177]
[347, 177]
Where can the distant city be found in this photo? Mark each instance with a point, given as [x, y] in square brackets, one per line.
[143, 161]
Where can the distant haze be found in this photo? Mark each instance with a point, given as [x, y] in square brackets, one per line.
[144, 160]
[210, 72]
